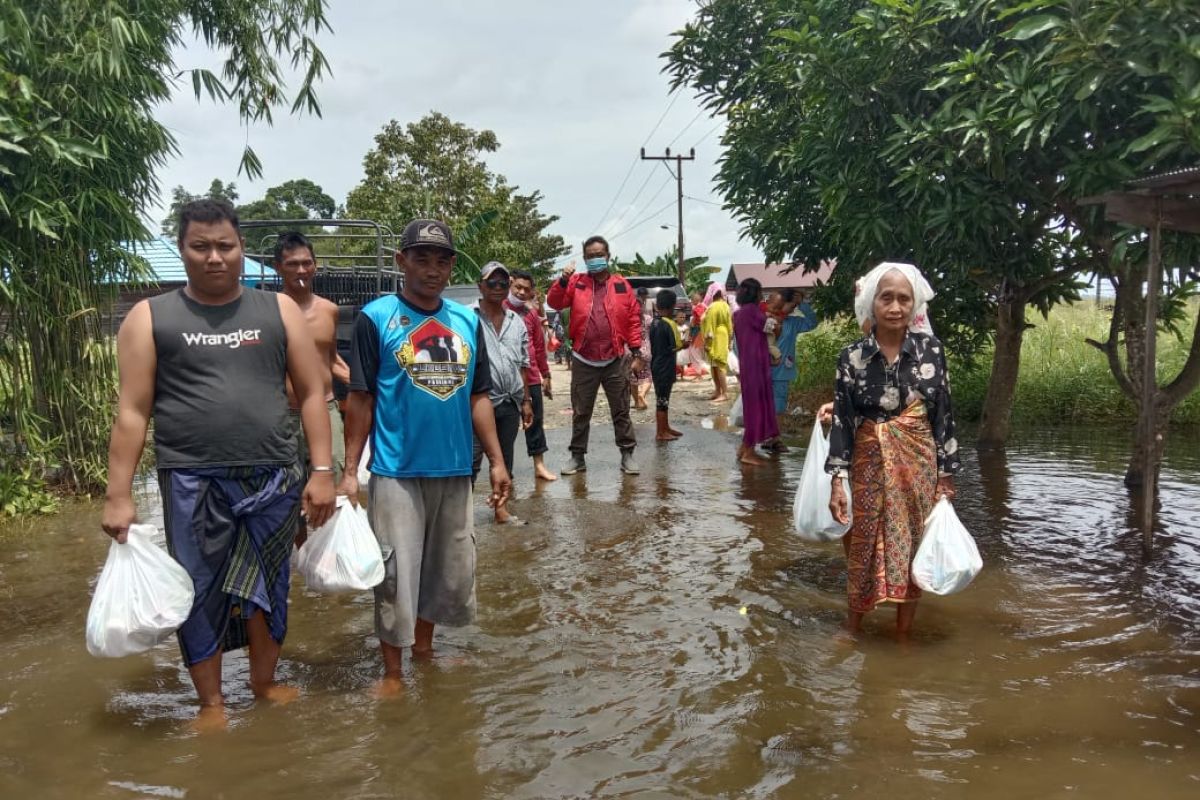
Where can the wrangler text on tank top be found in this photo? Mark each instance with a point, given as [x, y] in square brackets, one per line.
[219, 394]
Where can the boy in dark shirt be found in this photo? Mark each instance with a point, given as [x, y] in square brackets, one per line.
[665, 342]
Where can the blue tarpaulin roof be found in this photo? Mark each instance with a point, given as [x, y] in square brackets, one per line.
[166, 265]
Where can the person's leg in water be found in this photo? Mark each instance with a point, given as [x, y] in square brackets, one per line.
[392, 682]
[853, 618]
[779, 390]
[206, 677]
[535, 436]
[508, 425]
[423, 639]
[264, 657]
[747, 456]
[905, 614]
[663, 383]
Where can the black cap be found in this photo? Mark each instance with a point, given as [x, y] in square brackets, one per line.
[427, 233]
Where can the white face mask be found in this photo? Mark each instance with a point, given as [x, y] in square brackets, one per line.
[515, 301]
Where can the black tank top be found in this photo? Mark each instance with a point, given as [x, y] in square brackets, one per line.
[219, 393]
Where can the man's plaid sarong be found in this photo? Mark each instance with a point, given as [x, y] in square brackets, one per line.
[232, 529]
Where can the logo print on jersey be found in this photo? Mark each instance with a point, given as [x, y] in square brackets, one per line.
[435, 358]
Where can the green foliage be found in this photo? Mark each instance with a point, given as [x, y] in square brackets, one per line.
[1063, 379]
[23, 493]
[958, 134]
[817, 353]
[434, 167]
[217, 190]
[79, 146]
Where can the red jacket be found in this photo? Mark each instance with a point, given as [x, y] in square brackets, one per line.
[539, 365]
[620, 302]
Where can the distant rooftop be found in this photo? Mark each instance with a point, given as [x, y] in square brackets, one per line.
[773, 276]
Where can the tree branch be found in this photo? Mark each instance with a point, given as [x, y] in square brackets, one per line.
[1189, 377]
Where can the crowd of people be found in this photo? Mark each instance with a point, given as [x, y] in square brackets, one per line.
[252, 451]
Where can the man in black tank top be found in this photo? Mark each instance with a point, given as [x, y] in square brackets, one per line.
[209, 363]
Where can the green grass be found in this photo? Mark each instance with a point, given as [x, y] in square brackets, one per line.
[1062, 379]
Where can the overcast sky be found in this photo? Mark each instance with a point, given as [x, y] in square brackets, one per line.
[572, 88]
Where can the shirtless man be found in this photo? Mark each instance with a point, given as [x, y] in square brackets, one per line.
[297, 266]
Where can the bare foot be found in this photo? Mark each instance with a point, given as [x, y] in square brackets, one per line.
[674, 433]
[389, 687]
[664, 437]
[211, 719]
[278, 693]
[746, 455]
[721, 399]
[544, 474]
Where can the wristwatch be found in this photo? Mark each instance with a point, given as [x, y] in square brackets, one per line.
[838, 472]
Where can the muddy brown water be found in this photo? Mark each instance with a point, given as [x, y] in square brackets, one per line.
[611, 657]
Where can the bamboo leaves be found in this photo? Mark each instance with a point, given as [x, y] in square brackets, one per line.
[79, 147]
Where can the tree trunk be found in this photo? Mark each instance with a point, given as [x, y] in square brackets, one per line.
[995, 421]
[1135, 472]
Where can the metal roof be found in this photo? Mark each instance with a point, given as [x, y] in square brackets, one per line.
[1182, 181]
[166, 265]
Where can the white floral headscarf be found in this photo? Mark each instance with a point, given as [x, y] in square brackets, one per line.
[867, 286]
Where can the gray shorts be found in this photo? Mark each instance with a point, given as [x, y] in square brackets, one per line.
[426, 530]
[336, 431]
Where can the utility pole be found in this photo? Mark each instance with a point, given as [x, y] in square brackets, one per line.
[678, 159]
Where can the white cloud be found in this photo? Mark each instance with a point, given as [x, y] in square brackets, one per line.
[572, 89]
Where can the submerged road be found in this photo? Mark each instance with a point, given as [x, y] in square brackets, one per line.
[667, 636]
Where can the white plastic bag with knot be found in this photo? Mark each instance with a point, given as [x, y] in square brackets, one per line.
[342, 555]
[811, 517]
[947, 559]
[142, 597]
[736, 417]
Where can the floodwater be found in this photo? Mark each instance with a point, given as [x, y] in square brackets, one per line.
[612, 659]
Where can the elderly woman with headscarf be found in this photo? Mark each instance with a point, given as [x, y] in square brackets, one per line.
[717, 327]
[893, 431]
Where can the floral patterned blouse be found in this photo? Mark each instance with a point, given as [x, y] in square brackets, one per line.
[868, 388]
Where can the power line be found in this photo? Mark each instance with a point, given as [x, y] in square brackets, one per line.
[631, 208]
[631, 204]
[685, 127]
[643, 220]
[633, 163]
[702, 200]
[711, 131]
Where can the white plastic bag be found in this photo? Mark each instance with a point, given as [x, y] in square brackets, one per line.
[142, 597]
[736, 418]
[342, 555]
[811, 517]
[947, 558]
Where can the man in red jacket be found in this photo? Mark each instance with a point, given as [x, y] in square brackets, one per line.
[606, 329]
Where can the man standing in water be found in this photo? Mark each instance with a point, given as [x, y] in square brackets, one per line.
[507, 343]
[421, 415]
[296, 265]
[209, 362]
[605, 319]
[522, 299]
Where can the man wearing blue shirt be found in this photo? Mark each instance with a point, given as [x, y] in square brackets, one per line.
[419, 384]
